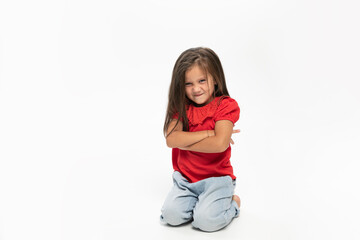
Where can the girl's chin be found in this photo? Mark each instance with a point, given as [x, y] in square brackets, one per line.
[199, 101]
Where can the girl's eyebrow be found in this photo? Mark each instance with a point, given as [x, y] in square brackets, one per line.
[197, 79]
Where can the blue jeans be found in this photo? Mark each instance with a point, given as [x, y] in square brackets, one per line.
[207, 202]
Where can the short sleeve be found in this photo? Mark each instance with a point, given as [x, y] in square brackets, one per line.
[176, 116]
[228, 110]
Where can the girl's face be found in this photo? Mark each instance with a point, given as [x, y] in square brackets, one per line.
[198, 88]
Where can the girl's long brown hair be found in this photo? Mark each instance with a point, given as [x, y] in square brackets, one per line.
[206, 59]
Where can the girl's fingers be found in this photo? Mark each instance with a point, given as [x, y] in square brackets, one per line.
[236, 130]
[231, 141]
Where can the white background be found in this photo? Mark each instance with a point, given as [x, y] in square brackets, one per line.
[83, 94]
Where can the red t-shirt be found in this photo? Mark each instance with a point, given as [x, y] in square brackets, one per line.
[196, 166]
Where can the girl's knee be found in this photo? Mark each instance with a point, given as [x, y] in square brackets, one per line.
[207, 222]
[174, 216]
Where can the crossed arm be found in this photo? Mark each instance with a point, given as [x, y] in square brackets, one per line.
[208, 141]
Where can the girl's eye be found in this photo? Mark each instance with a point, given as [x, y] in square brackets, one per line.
[187, 84]
[202, 80]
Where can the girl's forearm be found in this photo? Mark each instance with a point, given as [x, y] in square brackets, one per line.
[208, 145]
[181, 139]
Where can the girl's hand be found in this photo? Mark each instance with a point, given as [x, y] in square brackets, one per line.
[234, 131]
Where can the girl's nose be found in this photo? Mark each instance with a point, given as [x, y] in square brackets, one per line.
[196, 89]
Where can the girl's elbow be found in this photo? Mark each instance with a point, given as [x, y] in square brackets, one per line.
[223, 145]
[169, 143]
[222, 149]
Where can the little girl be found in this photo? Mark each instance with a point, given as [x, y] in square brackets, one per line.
[198, 127]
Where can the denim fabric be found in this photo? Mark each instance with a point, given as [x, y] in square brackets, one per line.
[207, 202]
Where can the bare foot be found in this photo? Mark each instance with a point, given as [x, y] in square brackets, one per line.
[236, 198]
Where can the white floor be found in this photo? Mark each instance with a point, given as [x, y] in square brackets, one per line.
[111, 197]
